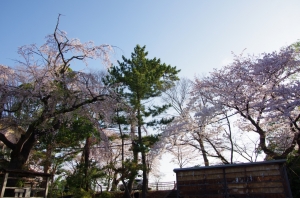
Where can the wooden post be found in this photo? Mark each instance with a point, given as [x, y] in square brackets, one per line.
[46, 187]
[286, 184]
[27, 192]
[225, 184]
[4, 184]
[19, 192]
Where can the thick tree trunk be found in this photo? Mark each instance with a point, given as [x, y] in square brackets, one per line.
[20, 154]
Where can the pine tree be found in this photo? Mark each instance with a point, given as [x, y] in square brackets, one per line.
[143, 79]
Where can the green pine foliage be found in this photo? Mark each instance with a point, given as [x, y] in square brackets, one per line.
[141, 79]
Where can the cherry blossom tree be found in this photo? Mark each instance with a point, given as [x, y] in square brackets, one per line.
[190, 129]
[264, 91]
[184, 124]
[182, 155]
[202, 126]
[43, 92]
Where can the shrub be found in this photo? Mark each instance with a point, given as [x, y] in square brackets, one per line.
[105, 194]
[81, 193]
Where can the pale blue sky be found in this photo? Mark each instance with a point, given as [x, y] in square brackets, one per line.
[194, 35]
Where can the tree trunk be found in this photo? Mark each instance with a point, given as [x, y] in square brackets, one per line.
[47, 163]
[206, 162]
[230, 138]
[20, 153]
[298, 142]
[145, 178]
[87, 162]
[115, 182]
[144, 163]
[127, 189]
[19, 156]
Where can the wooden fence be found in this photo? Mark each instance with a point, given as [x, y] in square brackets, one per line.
[254, 180]
[29, 184]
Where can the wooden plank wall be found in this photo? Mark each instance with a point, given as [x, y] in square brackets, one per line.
[264, 180]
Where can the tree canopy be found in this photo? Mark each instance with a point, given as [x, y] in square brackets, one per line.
[43, 92]
[143, 79]
[263, 90]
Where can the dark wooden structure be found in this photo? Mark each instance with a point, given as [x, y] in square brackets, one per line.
[23, 184]
[267, 179]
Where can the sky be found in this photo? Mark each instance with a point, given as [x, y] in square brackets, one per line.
[193, 35]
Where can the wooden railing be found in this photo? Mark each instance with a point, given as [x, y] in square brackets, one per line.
[29, 184]
[162, 185]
